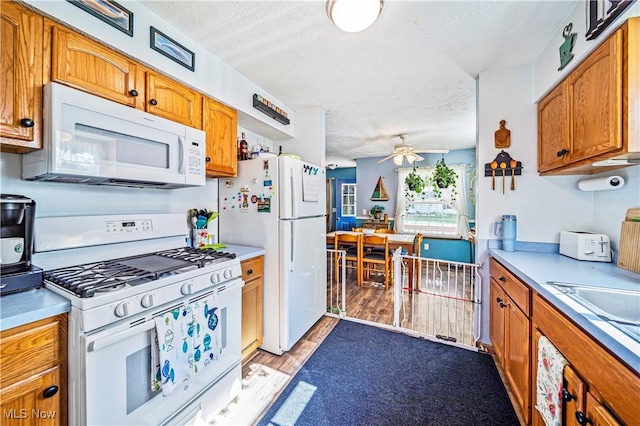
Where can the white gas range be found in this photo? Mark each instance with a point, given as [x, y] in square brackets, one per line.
[120, 273]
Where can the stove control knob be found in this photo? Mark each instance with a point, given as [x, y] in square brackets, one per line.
[186, 289]
[147, 301]
[228, 274]
[215, 278]
[122, 309]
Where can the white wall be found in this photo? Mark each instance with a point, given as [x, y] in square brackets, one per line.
[211, 76]
[310, 139]
[547, 63]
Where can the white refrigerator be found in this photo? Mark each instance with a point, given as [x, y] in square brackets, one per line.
[278, 203]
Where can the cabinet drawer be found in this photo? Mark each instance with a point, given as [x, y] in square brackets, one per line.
[27, 349]
[252, 268]
[518, 292]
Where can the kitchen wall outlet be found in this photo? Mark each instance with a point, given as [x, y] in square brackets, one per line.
[364, 211]
[426, 246]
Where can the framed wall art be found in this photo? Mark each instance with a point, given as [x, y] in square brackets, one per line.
[173, 50]
[108, 11]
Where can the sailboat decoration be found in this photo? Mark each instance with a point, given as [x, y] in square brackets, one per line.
[380, 192]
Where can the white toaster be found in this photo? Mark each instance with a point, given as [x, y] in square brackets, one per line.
[585, 246]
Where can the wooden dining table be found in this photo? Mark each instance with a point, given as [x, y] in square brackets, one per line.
[403, 241]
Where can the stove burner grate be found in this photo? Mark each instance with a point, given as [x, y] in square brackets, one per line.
[88, 279]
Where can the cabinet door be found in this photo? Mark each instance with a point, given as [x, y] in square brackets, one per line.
[251, 316]
[82, 63]
[594, 92]
[553, 129]
[497, 319]
[598, 415]
[517, 347]
[169, 99]
[221, 126]
[21, 76]
[26, 402]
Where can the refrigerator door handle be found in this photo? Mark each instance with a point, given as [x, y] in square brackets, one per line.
[292, 194]
[293, 239]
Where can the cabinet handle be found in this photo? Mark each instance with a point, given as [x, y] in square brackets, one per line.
[562, 152]
[26, 122]
[582, 418]
[133, 92]
[50, 391]
[153, 102]
[250, 271]
[208, 159]
[498, 300]
[502, 278]
[502, 305]
[566, 395]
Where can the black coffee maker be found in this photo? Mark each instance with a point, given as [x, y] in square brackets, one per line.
[17, 222]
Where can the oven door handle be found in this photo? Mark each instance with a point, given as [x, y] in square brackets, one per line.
[96, 345]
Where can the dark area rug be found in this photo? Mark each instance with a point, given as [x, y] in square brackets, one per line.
[364, 375]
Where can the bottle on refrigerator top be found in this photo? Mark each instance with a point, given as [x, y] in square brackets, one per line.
[244, 149]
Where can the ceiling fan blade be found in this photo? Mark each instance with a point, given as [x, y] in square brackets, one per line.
[387, 157]
[431, 151]
[418, 158]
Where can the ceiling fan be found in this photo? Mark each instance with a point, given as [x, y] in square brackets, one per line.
[406, 151]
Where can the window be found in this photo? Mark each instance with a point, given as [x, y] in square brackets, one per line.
[348, 196]
[430, 216]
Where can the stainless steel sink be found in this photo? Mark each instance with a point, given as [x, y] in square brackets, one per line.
[621, 308]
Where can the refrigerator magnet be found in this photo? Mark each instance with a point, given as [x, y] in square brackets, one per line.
[264, 205]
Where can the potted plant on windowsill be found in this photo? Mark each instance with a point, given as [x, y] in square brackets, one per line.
[376, 211]
[444, 177]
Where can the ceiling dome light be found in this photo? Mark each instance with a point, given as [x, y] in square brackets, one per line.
[397, 160]
[353, 16]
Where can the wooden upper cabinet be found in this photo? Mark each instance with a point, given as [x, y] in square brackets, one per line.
[594, 91]
[21, 77]
[169, 99]
[582, 120]
[87, 65]
[553, 131]
[220, 124]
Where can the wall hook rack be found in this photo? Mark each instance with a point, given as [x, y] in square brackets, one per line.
[503, 157]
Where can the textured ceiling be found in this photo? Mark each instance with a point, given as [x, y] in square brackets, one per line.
[412, 72]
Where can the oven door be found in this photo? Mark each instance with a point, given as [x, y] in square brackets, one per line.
[117, 373]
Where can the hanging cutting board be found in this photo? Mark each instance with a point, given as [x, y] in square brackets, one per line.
[380, 192]
[629, 251]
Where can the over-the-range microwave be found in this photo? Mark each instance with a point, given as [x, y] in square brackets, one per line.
[88, 139]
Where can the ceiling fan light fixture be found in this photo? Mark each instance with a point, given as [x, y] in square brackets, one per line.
[397, 160]
[353, 16]
[411, 157]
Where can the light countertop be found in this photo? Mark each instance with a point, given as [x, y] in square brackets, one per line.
[30, 305]
[244, 252]
[536, 269]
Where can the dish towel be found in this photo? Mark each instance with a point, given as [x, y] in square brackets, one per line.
[551, 364]
[206, 332]
[172, 349]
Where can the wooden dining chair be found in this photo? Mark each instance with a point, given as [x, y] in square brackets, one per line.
[352, 244]
[384, 231]
[357, 229]
[377, 257]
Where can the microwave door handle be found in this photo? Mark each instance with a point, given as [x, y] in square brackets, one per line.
[181, 142]
[98, 344]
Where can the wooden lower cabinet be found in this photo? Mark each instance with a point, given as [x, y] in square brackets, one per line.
[34, 373]
[510, 332]
[252, 305]
[609, 393]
